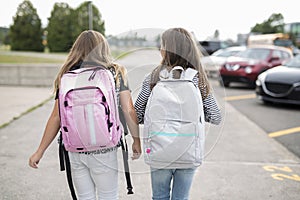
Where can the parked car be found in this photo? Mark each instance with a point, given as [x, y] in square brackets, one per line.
[248, 64]
[213, 63]
[208, 47]
[280, 84]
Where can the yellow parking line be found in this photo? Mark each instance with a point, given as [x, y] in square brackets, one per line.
[284, 132]
[240, 97]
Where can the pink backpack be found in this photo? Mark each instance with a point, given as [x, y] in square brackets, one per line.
[88, 110]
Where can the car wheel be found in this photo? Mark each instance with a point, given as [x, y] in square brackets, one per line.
[224, 83]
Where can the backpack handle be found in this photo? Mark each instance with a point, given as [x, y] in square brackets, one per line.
[187, 74]
[176, 72]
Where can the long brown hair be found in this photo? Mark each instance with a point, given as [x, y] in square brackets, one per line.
[178, 48]
[90, 46]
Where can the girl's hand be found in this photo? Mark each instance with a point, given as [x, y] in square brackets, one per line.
[136, 149]
[35, 159]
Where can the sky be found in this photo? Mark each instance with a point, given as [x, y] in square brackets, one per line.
[229, 17]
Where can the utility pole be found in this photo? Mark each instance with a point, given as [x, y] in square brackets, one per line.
[90, 10]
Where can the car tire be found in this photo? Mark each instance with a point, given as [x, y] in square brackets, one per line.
[224, 83]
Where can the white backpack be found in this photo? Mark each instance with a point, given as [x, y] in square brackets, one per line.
[174, 123]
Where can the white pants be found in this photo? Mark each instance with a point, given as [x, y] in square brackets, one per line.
[95, 175]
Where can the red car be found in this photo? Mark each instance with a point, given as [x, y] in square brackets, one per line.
[247, 65]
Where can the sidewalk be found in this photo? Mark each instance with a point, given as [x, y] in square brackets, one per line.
[242, 161]
[16, 101]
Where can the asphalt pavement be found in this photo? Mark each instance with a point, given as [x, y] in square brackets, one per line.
[241, 162]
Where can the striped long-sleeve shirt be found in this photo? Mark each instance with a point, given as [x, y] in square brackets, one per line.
[211, 110]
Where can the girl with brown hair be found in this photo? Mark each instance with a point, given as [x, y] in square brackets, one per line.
[178, 49]
[93, 173]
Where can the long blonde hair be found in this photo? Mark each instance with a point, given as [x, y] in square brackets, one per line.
[180, 49]
[90, 46]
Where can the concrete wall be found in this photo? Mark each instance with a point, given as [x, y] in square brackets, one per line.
[28, 74]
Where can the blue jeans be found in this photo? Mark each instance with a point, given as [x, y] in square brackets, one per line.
[161, 183]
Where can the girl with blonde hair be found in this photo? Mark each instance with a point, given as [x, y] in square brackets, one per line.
[178, 48]
[94, 173]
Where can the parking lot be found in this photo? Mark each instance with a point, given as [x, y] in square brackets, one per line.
[279, 121]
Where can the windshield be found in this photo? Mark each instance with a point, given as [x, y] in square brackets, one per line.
[227, 52]
[283, 43]
[224, 53]
[255, 53]
[295, 62]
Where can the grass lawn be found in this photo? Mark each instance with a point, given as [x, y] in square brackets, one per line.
[15, 57]
[26, 59]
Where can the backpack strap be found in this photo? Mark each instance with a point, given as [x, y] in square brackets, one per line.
[189, 74]
[123, 142]
[126, 166]
[65, 165]
[69, 175]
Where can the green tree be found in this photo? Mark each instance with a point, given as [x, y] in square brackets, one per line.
[26, 31]
[274, 24]
[60, 28]
[82, 19]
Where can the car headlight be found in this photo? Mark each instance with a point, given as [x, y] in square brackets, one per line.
[297, 86]
[261, 78]
[235, 67]
[248, 70]
[258, 82]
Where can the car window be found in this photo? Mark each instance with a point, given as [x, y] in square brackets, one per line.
[283, 42]
[277, 54]
[232, 53]
[285, 55]
[215, 45]
[223, 45]
[210, 46]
